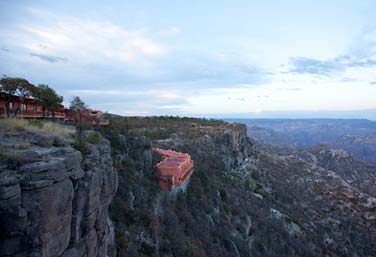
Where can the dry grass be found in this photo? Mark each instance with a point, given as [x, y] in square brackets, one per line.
[14, 125]
[56, 129]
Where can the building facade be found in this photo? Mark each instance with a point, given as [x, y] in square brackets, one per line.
[174, 169]
[32, 109]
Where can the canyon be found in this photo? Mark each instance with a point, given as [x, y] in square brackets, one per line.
[245, 198]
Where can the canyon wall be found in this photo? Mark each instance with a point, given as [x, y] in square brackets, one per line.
[53, 198]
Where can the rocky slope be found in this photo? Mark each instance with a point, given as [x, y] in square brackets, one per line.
[54, 199]
[363, 146]
[358, 137]
[244, 199]
[358, 173]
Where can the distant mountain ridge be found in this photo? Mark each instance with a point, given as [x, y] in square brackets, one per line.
[361, 146]
[356, 136]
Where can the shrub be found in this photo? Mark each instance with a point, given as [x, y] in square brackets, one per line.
[24, 145]
[147, 249]
[81, 146]
[129, 164]
[156, 157]
[220, 189]
[122, 242]
[203, 177]
[11, 158]
[93, 138]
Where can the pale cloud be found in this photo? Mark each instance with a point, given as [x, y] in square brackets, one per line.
[156, 61]
[361, 54]
[172, 31]
[156, 93]
[134, 113]
[88, 40]
[49, 58]
[99, 53]
[135, 102]
[169, 95]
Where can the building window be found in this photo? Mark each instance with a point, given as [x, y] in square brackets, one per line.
[34, 107]
[24, 107]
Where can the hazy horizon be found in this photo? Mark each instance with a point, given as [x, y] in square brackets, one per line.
[211, 58]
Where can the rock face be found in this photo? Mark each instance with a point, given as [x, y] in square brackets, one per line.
[53, 200]
[244, 199]
[228, 141]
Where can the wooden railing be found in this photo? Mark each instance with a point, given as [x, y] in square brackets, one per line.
[33, 114]
[68, 117]
[40, 114]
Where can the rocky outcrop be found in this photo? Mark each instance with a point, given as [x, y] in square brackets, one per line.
[229, 141]
[53, 199]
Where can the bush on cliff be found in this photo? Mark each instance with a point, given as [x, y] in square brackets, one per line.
[80, 145]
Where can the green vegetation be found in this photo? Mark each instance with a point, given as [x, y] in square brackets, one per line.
[80, 145]
[203, 177]
[147, 249]
[81, 142]
[78, 106]
[161, 127]
[48, 98]
[211, 217]
[93, 138]
[12, 158]
[122, 242]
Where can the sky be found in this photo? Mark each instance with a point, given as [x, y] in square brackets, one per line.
[198, 58]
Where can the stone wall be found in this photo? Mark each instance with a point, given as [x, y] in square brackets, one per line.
[53, 200]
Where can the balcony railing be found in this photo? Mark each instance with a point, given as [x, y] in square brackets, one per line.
[40, 114]
[68, 117]
[33, 114]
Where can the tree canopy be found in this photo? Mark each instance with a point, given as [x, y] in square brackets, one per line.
[77, 104]
[48, 98]
[19, 87]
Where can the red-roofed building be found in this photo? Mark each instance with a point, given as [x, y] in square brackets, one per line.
[174, 169]
[32, 109]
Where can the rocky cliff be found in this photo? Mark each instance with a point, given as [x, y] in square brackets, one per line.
[244, 199]
[54, 199]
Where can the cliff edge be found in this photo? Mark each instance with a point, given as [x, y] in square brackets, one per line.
[53, 198]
